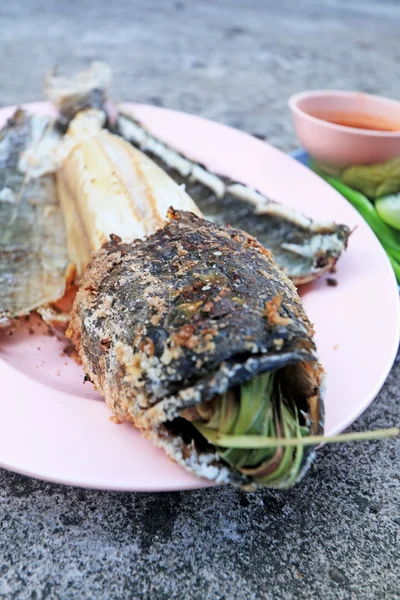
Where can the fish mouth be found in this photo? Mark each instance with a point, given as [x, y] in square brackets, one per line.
[329, 266]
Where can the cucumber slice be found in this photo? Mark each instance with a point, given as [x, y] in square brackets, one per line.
[388, 208]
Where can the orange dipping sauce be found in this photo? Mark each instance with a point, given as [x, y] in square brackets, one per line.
[357, 120]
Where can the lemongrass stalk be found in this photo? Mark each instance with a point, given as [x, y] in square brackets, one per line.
[251, 442]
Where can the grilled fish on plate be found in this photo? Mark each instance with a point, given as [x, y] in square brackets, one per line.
[38, 276]
[33, 253]
[35, 269]
[302, 248]
[190, 330]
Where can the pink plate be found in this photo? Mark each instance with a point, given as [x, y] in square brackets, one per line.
[55, 427]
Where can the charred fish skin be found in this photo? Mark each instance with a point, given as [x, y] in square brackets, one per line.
[302, 248]
[171, 321]
[33, 255]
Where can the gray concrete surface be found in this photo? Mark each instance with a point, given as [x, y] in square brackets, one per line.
[336, 535]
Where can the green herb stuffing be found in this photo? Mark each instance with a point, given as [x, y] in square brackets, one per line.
[258, 408]
[259, 432]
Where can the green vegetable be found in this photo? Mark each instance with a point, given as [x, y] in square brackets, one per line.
[258, 441]
[389, 237]
[374, 180]
[388, 208]
[261, 433]
[259, 410]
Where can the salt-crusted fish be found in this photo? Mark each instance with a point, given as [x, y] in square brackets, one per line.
[190, 330]
[302, 248]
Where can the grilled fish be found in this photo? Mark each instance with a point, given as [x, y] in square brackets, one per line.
[33, 254]
[302, 248]
[97, 185]
[186, 327]
[35, 267]
[180, 319]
